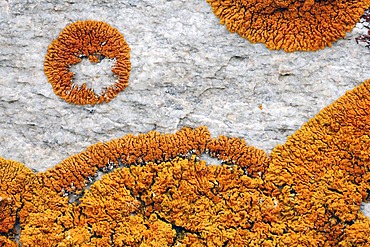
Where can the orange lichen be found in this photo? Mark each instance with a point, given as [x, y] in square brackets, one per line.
[161, 193]
[161, 205]
[236, 151]
[5, 242]
[93, 40]
[14, 180]
[322, 173]
[127, 150]
[291, 25]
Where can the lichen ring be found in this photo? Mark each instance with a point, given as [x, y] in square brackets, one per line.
[86, 39]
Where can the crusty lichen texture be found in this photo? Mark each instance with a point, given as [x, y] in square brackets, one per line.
[157, 191]
[94, 40]
[322, 175]
[14, 181]
[291, 25]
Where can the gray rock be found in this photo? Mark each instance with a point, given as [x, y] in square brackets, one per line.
[187, 71]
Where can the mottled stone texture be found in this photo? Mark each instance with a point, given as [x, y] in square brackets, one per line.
[187, 70]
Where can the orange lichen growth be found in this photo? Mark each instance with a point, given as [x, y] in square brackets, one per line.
[236, 151]
[14, 177]
[5, 242]
[93, 40]
[14, 180]
[322, 173]
[159, 192]
[291, 25]
[176, 202]
[128, 150]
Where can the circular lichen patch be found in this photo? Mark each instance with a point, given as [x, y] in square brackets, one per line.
[93, 40]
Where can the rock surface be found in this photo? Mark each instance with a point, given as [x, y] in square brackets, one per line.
[187, 71]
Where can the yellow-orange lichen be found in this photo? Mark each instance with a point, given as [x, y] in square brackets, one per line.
[322, 173]
[161, 193]
[93, 40]
[140, 205]
[304, 25]
[14, 181]
[236, 151]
